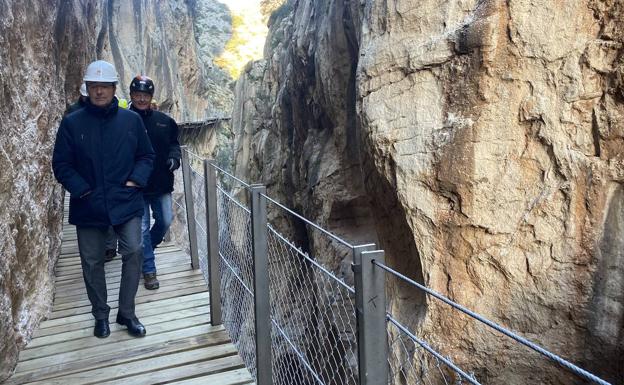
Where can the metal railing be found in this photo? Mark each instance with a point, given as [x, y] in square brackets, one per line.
[292, 319]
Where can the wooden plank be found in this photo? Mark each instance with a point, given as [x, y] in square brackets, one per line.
[87, 331]
[80, 294]
[120, 371]
[78, 272]
[72, 258]
[144, 299]
[93, 362]
[69, 250]
[115, 266]
[70, 289]
[72, 244]
[153, 309]
[72, 293]
[117, 334]
[140, 308]
[232, 377]
[76, 302]
[106, 348]
[76, 277]
[180, 372]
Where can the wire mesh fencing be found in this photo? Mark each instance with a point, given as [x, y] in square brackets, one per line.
[236, 269]
[178, 232]
[198, 187]
[313, 316]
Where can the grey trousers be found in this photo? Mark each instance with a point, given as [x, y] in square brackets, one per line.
[111, 239]
[91, 245]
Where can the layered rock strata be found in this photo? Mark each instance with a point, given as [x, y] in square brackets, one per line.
[479, 142]
[158, 39]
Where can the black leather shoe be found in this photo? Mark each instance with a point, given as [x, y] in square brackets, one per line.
[101, 329]
[135, 328]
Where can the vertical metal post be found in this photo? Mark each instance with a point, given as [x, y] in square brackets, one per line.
[212, 242]
[261, 285]
[370, 299]
[190, 207]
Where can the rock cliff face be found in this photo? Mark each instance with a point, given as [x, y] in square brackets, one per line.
[158, 39]
[480, 143]
[38, 69]
[45, 48]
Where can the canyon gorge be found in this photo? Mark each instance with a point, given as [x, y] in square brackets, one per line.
[479, 143]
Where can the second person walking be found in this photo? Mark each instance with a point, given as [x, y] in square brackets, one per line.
[162, 131]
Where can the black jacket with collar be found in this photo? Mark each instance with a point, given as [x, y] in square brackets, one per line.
[163, 133]
[97, 150]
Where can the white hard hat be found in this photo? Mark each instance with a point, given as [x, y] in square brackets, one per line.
[101, 71]
[83, 90]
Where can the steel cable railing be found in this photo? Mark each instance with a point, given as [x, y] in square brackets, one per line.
[404, 367]
[568, 365]
[315, 320]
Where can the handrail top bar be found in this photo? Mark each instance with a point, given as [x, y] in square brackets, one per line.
[335, 237]
[247, 185]
[211, 163]
[234, 200]
[373, 252]
[187, 149]
[364, 245]
[210, 119]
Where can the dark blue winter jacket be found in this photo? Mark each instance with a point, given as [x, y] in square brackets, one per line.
[97, 151]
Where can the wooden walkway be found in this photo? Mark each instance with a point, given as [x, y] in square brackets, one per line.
[180, 347]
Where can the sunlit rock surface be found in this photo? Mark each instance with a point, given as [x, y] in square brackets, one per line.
[480, 143]
[158, 38]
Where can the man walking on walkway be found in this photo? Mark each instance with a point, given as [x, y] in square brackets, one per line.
[163, 133]
[81, 102]
[111, 238]
[103, 157]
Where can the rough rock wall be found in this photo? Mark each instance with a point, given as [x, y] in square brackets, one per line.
[295, 124]
[483, 139]
[44, 46]
[506, 159]
[294, 118]
[158, 38]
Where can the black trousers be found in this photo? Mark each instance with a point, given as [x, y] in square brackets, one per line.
[92, 245]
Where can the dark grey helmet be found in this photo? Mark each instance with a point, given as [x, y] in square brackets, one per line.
[142, 83]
